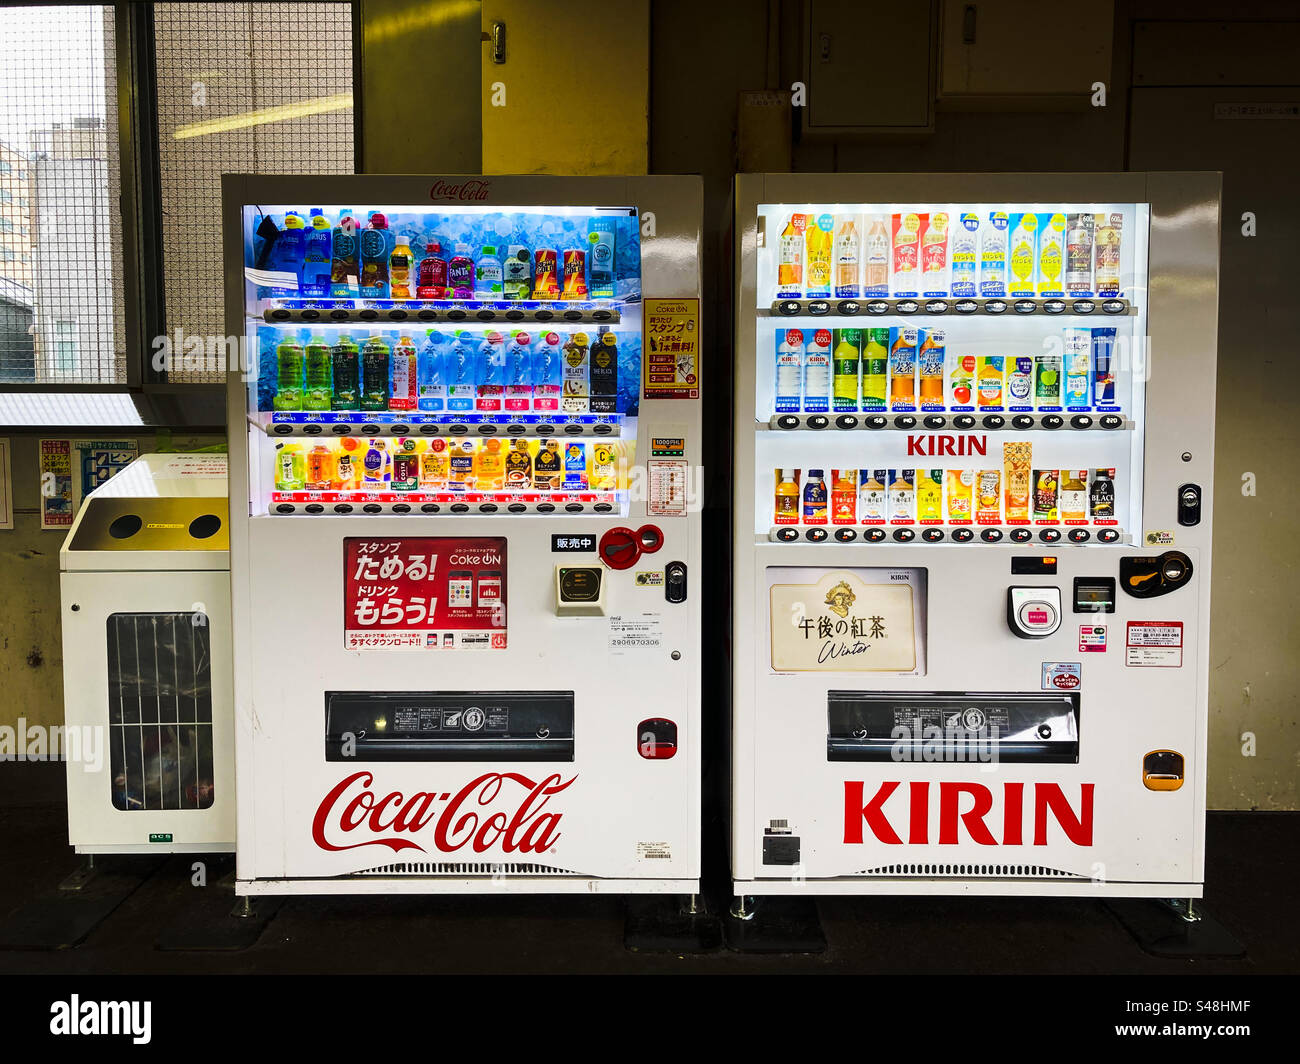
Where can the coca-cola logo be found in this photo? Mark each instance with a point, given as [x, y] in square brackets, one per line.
[464, 191]
[504, 809]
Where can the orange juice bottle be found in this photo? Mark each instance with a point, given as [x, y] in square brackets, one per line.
[490, 467]
[787, 497]
[844, 496]
[320, 468]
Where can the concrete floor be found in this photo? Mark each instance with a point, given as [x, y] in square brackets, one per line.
[1254, 864]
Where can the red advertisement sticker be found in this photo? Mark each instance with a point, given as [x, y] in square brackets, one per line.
[424, 593]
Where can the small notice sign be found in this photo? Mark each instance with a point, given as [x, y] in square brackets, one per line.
[58, 503]
[635, 631]
[672, 355]
[1092, 638]
[1154, 644]
[667, 483]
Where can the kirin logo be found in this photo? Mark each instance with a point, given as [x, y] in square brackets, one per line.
[937, 445]
[1049, 803]
[477, 815]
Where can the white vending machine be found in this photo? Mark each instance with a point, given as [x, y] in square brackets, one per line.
[465, 532]
[974, 452]
[145, 588]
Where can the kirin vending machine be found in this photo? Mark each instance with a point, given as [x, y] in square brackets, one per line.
[465, 532]
[974, 448]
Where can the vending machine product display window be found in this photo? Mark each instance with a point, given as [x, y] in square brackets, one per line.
[968, 409]
[449, 388]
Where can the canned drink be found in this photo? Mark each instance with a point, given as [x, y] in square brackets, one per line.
[575, 275]
[546, 283]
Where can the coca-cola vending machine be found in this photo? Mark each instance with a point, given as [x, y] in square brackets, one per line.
[974, 454]
[465, 533]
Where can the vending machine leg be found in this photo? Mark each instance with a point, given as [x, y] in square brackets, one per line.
[79, 879]
[670, 924]
[774, 925]
[207, 921]
[1175, 927]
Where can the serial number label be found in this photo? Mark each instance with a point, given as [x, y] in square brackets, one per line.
[638, 631]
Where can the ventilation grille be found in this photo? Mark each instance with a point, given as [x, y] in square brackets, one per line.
[983, 871]
[467, 868]
[160, 711]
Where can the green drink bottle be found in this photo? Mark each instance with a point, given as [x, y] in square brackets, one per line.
[875, 363]
[345, 360]
[375, 359]
[288, 374]
[319, 375]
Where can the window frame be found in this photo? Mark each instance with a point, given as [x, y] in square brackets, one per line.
[181, 405]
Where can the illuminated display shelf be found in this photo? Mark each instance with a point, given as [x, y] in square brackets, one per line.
[425, 423]
[1057, 534]
[1009, 306]
[1073, 420]
[421, 503]
[382, 311]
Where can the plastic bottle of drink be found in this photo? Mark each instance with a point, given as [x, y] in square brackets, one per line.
[786, 510]
[316, 261]
[320, 468]
[406, 465]
[517, 273]
[814, 498]
[875, 273]
[431, 373]
[376, 466]
[344, 265]
[548, 373]
[290, 469]
[347, 465]
[399, 270]
[460, 374]
[490, 465]
[404, 374]
[345, 362]
[519, 466]
[319, 375]
[433, 466]
[460, 274]
[287, 254]
[601, 266]
[374, 374]
[374, 258]
[846, 260]
[519, 380]
[844, 496]
[288, 374]
[603, 373]
[491, 373]
[875, 368]
[789, 273]
[488, 283]
[431, 278]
